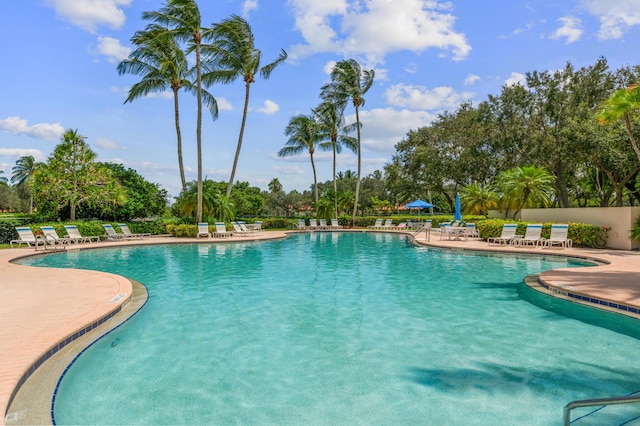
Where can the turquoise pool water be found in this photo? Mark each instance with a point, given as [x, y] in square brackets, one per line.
[340, 328]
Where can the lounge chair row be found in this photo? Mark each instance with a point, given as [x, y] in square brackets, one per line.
[388, 225]
[239, 229]
[533, 236]
[51, 238]
[314, 225]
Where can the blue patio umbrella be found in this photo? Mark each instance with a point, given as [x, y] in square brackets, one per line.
[418, 204]
[458, 213]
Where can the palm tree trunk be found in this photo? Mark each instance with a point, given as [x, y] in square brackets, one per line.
[244, 120]
[355, 203]
[315, 179]
[627, 123]
[199, 128]
[335, 183]
[179, 136]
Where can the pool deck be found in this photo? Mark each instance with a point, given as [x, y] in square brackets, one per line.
[41, 308]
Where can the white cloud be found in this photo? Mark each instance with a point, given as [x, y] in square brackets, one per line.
[167, 94]
[90, 14]
[269, 107]
[223, 104]
[616, 16]
[289, 170]
[371, 28]
[248, 6]
[420, 97]
[383, 128]
[22, 152]
[19, 126]
[411, 68]
[516, 78]
[107, 144]
[112, 49]
[570, 29]
[328, 67]
[471, 79]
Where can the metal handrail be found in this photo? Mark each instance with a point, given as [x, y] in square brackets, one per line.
[594, 402]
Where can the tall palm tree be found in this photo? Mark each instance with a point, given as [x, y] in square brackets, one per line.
[181, 18]
[330, 118]
[303, 136]
[22, 171]
[275, 186]
[163, 65]
[233, 55]
[620, 105]
[350, 82]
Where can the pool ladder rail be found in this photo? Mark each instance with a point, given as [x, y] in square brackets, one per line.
[595, 402]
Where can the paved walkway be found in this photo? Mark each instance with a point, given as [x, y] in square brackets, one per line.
[41, 307]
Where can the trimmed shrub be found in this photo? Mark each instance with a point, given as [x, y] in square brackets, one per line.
[8, 230]
[582, 234]
[183, 230]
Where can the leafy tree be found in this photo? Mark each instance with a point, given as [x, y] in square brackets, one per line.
[143, 198]
[3, 179]
[181, 19]
[73, 178]
[163, 65]
[233, 55]
[606, 148]
[557, 100]
[22, 172]
[350, 82]
[303, 134]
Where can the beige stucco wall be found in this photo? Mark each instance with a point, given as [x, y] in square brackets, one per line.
[619, 219]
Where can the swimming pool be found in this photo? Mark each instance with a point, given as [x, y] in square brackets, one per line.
[341, 328]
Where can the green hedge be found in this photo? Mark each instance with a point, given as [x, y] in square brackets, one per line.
[184, 230]
[8, 230]
[582, 234]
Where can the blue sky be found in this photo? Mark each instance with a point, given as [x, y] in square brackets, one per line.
[60, 57]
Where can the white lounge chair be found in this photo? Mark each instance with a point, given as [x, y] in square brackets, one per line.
[51, 236]
[471, 231]
[323, 224]
[376, 225]
[74, 233]
[249, 230]
[335, 224]
[203, 230]
[313, 225]
[257, 226]
[25, 236]
[240, 230]
[533, 236]
[559, 237]
[301, 225]
[221, 231]
[126, 231]
[507, 236]
[388, 223]
[444, 230]
[112, 235]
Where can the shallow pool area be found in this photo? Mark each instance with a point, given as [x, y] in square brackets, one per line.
[341, 328]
